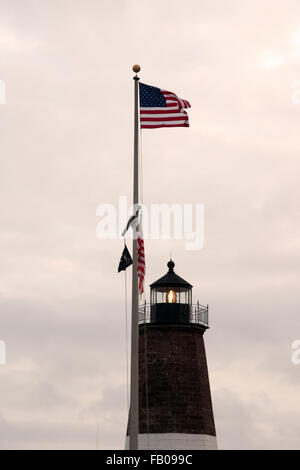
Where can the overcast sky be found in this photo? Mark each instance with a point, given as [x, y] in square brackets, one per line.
[66, 139]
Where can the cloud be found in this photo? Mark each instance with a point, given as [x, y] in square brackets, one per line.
[66, 146]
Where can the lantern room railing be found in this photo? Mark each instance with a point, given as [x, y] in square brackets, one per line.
[198, 314]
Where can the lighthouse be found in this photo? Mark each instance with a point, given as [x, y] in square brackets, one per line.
[175, 406]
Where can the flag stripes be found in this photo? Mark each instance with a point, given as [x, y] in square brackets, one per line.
[140, 263]
[161, 108]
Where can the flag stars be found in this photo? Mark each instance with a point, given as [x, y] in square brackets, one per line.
[151, 97]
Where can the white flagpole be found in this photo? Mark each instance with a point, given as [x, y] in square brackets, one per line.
[134, 379]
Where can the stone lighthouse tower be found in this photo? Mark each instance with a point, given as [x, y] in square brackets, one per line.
[175, 408]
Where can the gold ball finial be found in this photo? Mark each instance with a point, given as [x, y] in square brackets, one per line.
[136, 68]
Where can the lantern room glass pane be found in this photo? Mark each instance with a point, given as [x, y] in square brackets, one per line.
[160, 297]
[184, 297]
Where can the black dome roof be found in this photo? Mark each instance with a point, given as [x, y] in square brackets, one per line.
[171, 279]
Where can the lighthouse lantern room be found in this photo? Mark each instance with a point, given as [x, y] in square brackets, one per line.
[175, 407]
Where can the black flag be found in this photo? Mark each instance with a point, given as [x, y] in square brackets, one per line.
[125, 260]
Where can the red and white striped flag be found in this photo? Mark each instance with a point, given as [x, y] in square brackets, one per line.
[140, 262]
[161, 108]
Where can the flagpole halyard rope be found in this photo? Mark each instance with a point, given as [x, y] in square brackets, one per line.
[126, 338]
[146, 373]
[141, 170]
[141, 195]
[145, 326]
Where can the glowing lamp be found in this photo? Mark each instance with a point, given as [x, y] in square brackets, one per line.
[171, 297]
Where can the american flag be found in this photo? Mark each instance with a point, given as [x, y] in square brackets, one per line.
[140, 262]
[161, 108]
